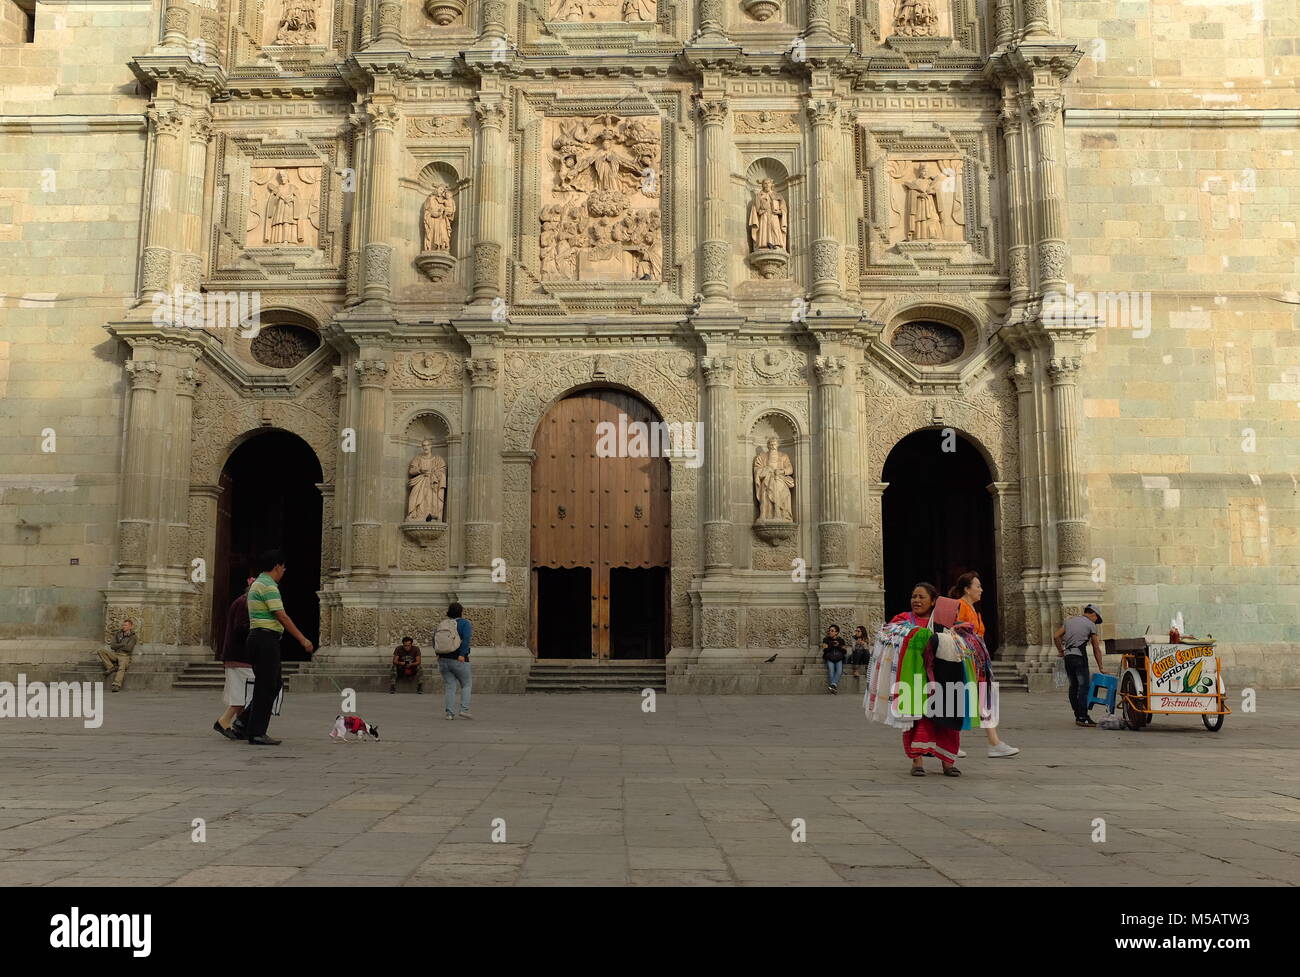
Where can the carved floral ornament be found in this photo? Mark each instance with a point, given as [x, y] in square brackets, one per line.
[928, 343]
[284, 346]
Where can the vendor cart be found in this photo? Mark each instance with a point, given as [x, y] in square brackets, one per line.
[1183, 678]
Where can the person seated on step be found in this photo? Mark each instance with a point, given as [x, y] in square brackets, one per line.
[117, 656]
[406, 664]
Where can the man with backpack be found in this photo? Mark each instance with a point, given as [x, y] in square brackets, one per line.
[451, 644]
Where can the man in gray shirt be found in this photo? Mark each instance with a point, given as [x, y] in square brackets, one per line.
[117, 656]
[1072, 639]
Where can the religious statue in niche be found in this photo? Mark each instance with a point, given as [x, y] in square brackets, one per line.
[437, 218]
[768, 219]
[427, 485]
[773, 484]
[916, 18]
[297, 23]
[589, 11]
[926, 201]
[284, 207]
[600, 218]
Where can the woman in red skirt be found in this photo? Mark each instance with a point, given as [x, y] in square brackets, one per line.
[936, 733]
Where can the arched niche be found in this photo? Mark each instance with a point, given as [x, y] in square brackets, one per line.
[431, 426]
[778, 425]
[939, 327]
[435, 175]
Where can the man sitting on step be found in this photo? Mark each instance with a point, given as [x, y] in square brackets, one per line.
[406, 664]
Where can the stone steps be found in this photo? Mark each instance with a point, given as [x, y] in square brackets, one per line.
[631, 677]
[212, 675]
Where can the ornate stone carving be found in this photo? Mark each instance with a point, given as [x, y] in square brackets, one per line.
[774, 366]
[296, 22]
[378, 257]
[284, 346]
[773, 484]
[353, 271]
[439, 126]
[427, 366]
[717, 370]
[601, 11]
[834, 544]
[478, 544]
[776, 627]
[1019, 268]
[714, 258]
[144, 374]
[360, 625]
[761, 10]
[487, 265]
[822, 111]
[365, 545]
[1045, 110]
[1071, 543]
[156, 272]
[825, 260]
[444, 12]
[766, 122]
[284, 207]
[437, 218]
[482, 372]
[830, 369]
[426, 483]
[371, 373]
[915, 18]
[600, 217]
[717, 544]
[926, 200]
[1052, 256]
[928, 343]
[720, 627]
[132, 543]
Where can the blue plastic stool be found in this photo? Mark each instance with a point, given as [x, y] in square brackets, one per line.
[1108, 682]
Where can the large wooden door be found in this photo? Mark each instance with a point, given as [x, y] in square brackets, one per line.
[600, 513]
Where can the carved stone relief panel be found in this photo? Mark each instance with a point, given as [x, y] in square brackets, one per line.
[926, 200]
[914, 18]
[284, 207]
[292, 23]
[601, 11]
[600, 217]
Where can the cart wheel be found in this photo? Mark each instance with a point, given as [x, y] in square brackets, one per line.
[1213, 723]
[1127, 688]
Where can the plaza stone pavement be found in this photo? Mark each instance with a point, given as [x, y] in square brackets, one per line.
[594, 791]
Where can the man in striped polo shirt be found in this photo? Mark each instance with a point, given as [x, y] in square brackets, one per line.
[267, 621]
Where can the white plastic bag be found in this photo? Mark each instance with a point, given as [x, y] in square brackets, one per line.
[1059, 675]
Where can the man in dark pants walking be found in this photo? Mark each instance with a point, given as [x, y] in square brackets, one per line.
[267, 621]
[1072, 639]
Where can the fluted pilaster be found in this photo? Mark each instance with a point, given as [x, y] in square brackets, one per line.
[719, 534]
[484, 461]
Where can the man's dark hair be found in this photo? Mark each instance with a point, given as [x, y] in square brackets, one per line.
[407, 638]
[455, 610]
[270, 559]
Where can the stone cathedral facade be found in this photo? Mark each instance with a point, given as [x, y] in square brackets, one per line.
[795, 234]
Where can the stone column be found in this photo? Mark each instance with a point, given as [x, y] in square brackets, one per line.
[356, 230]
[1071, 507]
[139, 476]
[176, 473]
[819, 17]
[711, 20]
[163, 237]
[1031, 540]
[176, 25]
[389, 34]
[715, 251]
[190, 271]
[372, 375]
[833, 536]
[719, 533]
[1018, 248]
[822, 114]
[382, 181]
[1036, 19]
[484, 461]
[489, 200]
[492, 14]
[1053, 256]
[1004, 19]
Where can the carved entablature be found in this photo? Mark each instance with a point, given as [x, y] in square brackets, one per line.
[597, 189]
[275, 203]
[927, 201]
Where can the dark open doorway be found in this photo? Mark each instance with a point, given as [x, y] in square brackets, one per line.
[564, 629]
[937, 516]
[270, 501]
[637, 615]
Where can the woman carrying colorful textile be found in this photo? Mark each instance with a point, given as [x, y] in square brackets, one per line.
[904, 669]
[970, 626]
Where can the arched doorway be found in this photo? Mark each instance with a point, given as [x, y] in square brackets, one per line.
[269, 500]
[601, 529]
[937, 516]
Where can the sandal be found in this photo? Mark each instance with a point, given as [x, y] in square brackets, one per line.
[918, 771]
[951, 771]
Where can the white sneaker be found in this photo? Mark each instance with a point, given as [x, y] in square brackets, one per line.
[1003, 749]
[960, 754]
[449, 716]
